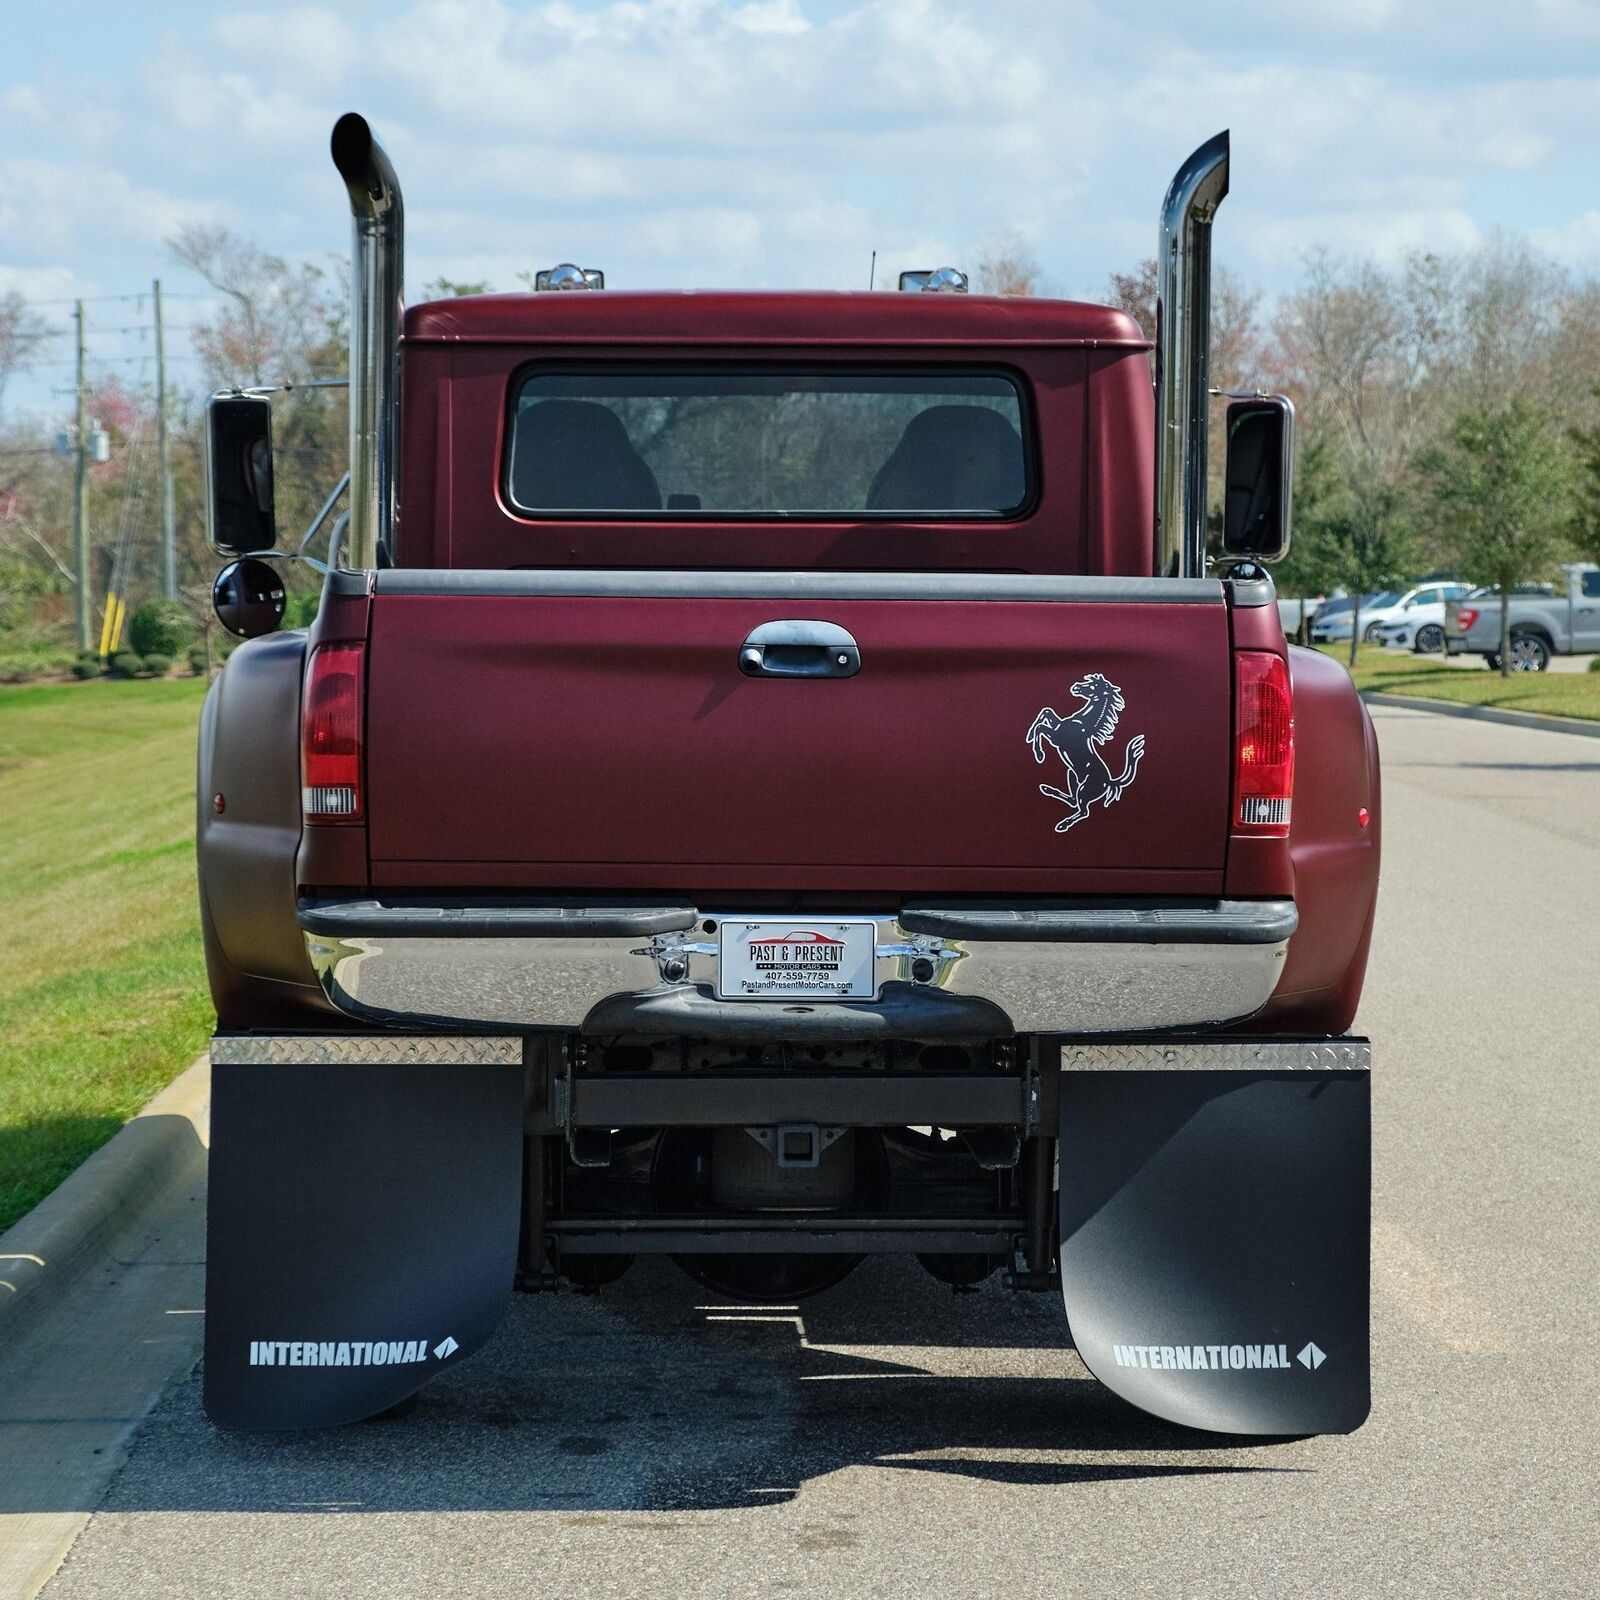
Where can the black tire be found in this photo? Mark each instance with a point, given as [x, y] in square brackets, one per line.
[1492, 662]
[1429, 640]
[1529, 652]
[1369, 634]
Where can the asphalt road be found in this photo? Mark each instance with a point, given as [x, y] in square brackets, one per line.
[894, 1439]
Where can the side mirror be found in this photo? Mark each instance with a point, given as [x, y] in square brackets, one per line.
[248, 598]
[1260, 478]
[239, 509]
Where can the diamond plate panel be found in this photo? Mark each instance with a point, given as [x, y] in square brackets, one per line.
[1230, 1055]
[370, 1050]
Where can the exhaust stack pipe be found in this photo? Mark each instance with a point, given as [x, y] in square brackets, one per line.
[1183, 358]
[376, 279]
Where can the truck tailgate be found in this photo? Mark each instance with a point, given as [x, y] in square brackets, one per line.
[521, 732]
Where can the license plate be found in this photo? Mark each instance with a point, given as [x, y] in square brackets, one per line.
[796, 959]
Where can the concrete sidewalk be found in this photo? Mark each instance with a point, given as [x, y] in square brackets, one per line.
[104, 1284]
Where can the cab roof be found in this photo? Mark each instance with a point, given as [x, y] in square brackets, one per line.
[757, 317]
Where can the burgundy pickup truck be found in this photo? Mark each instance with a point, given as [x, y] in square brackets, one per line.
[776, 779]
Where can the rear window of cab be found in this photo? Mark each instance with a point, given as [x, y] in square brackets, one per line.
[771, 442]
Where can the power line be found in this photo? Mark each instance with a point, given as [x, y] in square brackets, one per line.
[106, 299]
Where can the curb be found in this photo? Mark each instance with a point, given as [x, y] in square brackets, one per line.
[160, 1144]
[1515, 719]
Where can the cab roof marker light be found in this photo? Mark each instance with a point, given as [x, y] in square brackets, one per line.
[567, 277]
[935, 280]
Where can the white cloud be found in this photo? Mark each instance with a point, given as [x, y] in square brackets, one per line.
[1574, 244]
[778, 142]
[305, 42]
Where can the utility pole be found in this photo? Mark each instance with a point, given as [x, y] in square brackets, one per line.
[169, 548]
[80, 498]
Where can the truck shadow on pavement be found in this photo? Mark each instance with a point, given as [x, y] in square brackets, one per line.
[653, 1397]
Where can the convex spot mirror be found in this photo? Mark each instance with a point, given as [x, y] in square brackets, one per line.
[1257, 509]
[239, 510]
[248, 597]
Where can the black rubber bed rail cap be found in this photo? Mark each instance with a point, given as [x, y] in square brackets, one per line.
[776, 584]
[1212, 922]
[375, 919]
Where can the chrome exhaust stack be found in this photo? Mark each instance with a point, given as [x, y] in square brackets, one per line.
[1183, 358]
[376, 279]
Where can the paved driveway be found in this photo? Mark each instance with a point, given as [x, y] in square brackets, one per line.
[895, 1439]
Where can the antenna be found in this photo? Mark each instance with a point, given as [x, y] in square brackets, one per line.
[872, 271]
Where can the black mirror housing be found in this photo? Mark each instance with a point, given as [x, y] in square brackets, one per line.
[1259, 491]
[239, 508]
[249, 598]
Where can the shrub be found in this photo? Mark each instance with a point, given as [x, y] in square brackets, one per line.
[1594, 665]
[300, 610]
[158, 666]
[87, 667]
[160, 628]
[197, 661]
[125, 664]
[23, 661]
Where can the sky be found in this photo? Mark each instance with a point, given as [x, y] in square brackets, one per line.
[775, 143]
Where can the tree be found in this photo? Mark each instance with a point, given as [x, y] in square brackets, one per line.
[1586, 509]
[280, 324]
[451, 288]
[1362, 535]
[1008, 266]
[22, 332]
[1502, 482]
[1135, 293]
[1307, 569]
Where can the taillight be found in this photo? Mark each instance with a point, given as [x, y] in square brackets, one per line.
[1466, 616]
[1263, 752]
[330, 735]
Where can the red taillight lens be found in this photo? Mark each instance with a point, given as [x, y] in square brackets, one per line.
[1466, 616]
[330, 735]
[1263, 755]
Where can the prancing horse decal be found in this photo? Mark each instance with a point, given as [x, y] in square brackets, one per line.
[1075, 739]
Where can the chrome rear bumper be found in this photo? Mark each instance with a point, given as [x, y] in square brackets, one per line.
[941, 972]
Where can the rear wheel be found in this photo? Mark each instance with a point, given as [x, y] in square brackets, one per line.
[1529, 653]
[1429, 640]
[1370, 633]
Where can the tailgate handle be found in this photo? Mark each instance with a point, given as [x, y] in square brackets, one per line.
[799, 650]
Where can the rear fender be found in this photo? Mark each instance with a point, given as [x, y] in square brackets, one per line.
[1335, 854]
[247, 833]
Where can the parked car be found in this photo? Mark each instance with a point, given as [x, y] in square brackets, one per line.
[1334, 620]
[1565, 621]
[1291, 613]
[1417, 621]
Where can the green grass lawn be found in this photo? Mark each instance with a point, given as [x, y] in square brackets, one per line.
[1556, 694]
[102, 985]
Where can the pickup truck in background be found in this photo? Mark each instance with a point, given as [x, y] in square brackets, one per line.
[1564, 622]
[776, 779]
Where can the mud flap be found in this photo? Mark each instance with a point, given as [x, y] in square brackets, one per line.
[1215, 1243]
[361, 1232]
